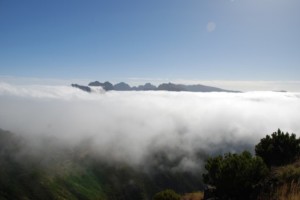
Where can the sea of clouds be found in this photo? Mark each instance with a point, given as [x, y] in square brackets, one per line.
[128, 126]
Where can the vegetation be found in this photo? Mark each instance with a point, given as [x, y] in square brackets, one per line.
[281, 151]
[283, 183]
[278, 149]
[57, 172]
[242, 176]
[166, 195]
[288, 173]
[193, 196]
[236, 176]
[287, 191]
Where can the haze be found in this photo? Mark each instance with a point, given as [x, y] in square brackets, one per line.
[128, 126]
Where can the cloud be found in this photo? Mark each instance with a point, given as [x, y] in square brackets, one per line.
[129, 126]
[211, 26]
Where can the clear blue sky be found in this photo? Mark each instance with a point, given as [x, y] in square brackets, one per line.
[172, 39]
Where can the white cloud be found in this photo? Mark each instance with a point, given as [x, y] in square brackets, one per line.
[130, 125]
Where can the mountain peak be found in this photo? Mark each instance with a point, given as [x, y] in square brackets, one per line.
[122, 86]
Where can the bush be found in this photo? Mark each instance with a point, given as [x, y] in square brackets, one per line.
[166, 195]
[236, 176]
[278, 149]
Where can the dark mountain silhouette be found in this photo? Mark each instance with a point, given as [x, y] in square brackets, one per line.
[171, 87]
[95, 83]
[122, 86]
[147, 86]
[190, 88]
[84, 88]
[106, 85]
[203, 88]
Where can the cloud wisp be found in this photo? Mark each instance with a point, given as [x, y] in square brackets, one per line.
[128, 126]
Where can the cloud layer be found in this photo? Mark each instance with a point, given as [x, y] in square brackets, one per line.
[128, 126]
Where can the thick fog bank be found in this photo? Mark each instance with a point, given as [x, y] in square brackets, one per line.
[130, 126]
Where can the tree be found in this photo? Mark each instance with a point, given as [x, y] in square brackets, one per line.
[235, 176]
[166, 195]
[278, 149]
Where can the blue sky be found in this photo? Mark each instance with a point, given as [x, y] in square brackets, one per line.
[244, 40]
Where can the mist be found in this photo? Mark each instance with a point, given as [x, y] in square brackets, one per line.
[131, 126]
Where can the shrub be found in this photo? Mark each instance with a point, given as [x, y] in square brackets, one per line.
[278, 149]
[166, 195]
[236, 176]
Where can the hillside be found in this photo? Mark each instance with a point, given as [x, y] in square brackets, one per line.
[53, 171]
[57, 172]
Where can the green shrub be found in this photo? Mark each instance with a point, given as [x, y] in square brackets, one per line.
[235, 176]
[166, 195]
[278, 149]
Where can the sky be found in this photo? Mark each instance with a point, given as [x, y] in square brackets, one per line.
[232, 44]
[119, 40]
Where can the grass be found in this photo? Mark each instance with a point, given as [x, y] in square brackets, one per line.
[288, 187]
[193, 196]
[288, 173]
[287, 191]
[82, 185]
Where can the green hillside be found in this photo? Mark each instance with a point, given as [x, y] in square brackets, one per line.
[57, 172]
[45, 168]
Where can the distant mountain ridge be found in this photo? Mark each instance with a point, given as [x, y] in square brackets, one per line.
[122, 86]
